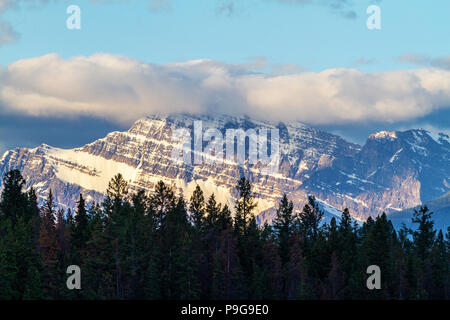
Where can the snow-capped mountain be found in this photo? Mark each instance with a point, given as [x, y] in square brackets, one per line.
[392, 171]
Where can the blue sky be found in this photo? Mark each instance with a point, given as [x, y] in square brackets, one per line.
[264, 36]
[313, 36]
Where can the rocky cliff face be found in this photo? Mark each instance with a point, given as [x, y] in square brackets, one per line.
[392, 171]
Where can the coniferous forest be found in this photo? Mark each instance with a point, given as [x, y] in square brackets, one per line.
[161, 246]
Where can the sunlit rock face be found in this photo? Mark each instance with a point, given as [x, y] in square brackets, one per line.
[391, 172]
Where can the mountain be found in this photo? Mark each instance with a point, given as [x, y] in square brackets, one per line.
[391, 172]
[441, 214]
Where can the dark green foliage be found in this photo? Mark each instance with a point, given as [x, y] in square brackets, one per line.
[156, 246]
[309, 220]
[283, 227]
[425, 233]
[245, 206]
[20, 262]
[197, 209]
[80, 232]
[14, 200]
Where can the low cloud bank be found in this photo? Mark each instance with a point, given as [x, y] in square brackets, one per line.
[121, 89]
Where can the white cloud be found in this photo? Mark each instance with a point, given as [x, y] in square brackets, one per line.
[442, 62]
[123, 89]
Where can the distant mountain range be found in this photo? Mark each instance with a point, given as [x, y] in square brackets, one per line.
[441, 213]
[391, 172]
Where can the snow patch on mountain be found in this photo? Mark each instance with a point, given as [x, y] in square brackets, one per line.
[330, 212]
[367, 180]
[5, 154]
[384, 135]
[440, 137]
[87, 170]
[395, 156]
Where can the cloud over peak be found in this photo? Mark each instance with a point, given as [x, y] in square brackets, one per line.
[122, 89]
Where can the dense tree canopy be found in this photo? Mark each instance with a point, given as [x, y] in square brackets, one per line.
[157, 246]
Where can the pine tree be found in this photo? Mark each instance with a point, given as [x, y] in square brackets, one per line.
[308, 226]
[117, 207]
[336, 281]
[367, 225]
[117, 188]
[33, 216]
[309, 219]
[197, 209]
[9, 268]
[347, 245]
[98, 280]
[225, 221]
[176, 266]
[320, 259]
[209, 245]
[283, 226]
[49, 248]
[213, 210]
[19, 230]
[378, 249]
[439, 267]
[228, 278]
[162, 202]
[274, 284]
[139, 247]
[246, 229]
[80, 232]
[13, 200]
[137, 251]
[244, 207]
[425, 234]
[298, 285]
[333, 237]
[62, 242]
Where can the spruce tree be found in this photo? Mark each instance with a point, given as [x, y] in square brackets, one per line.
[13, 201]
[49, 248]
[213, 210]
[309, 219]
[225, 221]
[80, 232]
[98, 280]
[347, 245]
[246, 228]
[197, 209]
[245, 206]
[378, 250]
[425, 234]
[439, 267]
[283, 227]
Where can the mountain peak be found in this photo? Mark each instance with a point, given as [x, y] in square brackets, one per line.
[439, 137]
[384, 135]
[381, 175]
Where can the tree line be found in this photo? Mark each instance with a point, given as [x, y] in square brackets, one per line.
[161, 246]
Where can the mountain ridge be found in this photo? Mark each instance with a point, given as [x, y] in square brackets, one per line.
[440, 208]
[392, 171]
